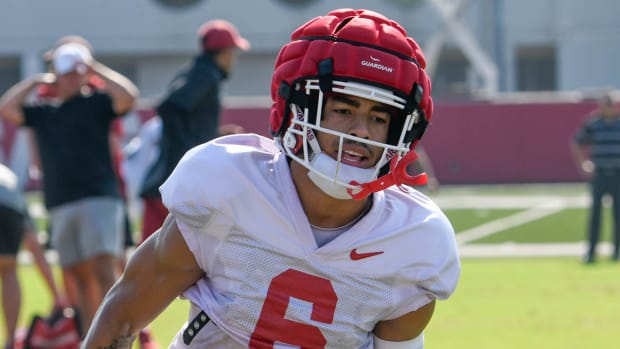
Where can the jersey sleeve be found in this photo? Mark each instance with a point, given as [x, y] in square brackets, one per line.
[201, 191]
[433, 271]
[187, 196]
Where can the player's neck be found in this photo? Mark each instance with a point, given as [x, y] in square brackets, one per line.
[321, 209]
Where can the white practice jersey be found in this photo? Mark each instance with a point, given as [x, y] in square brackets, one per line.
[268, 285]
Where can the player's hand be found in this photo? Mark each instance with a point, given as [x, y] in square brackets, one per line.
[587, 167]
[46, 78]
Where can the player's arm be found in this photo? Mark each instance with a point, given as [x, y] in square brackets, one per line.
[161, 269]
[13, 99]
[404, 332]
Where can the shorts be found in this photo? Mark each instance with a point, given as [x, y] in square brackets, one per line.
[86, 228]
[11, 231]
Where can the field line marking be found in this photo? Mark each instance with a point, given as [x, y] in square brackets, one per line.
[501, 224]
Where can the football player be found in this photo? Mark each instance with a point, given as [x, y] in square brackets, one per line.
[313, 239]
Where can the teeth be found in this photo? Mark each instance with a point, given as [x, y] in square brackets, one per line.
[353, 153]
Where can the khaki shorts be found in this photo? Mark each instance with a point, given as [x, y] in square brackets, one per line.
[86, 228]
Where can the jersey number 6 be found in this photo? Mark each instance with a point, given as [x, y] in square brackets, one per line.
[272, 325]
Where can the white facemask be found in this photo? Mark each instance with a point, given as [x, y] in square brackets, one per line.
[342, 174]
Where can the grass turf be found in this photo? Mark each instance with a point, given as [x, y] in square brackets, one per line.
[529, 303]
[568, 225]
[499, 303]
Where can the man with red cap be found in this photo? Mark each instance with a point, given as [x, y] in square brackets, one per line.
[190, 112]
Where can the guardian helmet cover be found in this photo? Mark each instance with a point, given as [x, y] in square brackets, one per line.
[359, 53]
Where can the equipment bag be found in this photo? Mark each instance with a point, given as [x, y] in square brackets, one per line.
[60, 330]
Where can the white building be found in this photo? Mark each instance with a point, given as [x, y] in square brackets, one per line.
[528, 44]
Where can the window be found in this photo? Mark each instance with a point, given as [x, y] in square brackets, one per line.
[451, 77]
[536, 68]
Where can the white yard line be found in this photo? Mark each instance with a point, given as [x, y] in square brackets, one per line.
[515, 220]
[537, 207]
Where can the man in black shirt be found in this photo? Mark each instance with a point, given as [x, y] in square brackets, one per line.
[190, 112]
[80, 187]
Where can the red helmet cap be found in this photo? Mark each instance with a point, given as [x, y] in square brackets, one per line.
[363, 46]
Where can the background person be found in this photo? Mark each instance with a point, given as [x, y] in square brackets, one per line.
[79, 184]
[139, 154]
[16, 228]
[190, 112]
[596, 150]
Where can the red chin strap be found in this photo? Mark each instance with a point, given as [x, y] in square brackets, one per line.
[398, 175]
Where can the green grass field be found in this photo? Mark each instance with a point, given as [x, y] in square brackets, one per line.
[529, 303]
[500, 303]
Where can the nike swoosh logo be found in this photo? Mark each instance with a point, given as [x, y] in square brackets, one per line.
[356, 256]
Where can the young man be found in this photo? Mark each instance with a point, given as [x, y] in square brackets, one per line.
[313, 240]
[190, 112]
[80, 187]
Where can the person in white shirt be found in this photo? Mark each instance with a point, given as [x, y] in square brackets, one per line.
[314, 239]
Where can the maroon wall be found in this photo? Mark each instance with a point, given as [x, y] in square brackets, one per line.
[505, 143]
[476, 143]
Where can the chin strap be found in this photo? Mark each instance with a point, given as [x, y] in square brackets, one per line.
[397, 175]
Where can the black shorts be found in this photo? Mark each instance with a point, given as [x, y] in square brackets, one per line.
[11, 230]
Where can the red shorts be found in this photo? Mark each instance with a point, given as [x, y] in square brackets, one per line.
[154, 215]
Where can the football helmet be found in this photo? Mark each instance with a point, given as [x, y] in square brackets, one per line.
[360, 53]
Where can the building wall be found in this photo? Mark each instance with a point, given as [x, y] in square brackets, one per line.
[157, 40]
[584, 32]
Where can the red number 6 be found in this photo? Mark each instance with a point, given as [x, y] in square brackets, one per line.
[272, 326]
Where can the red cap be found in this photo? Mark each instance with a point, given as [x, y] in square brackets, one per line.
[219, 34]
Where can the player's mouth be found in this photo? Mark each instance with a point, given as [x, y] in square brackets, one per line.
[354, 158]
